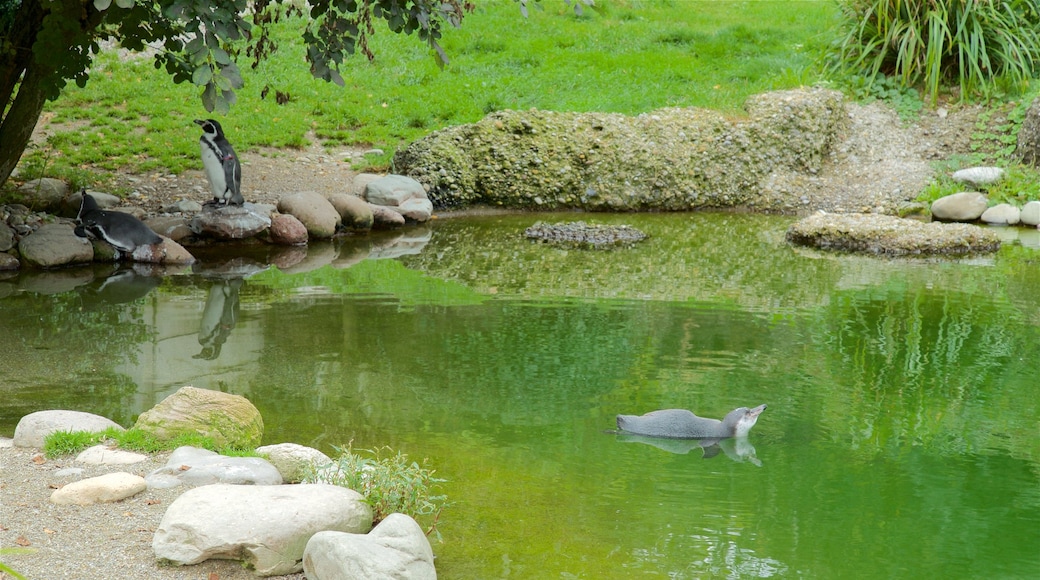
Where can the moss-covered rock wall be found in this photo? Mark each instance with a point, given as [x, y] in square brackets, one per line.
[669, 159]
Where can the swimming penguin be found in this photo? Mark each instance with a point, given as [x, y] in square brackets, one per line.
[682, 424]
[221, 164]
[125, 232]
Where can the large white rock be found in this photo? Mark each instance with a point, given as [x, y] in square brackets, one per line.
[227, 419]
[33, 428]
[1031, 213]
[393, 190]
[979, 175]
[193, 466]
[395, 549]
[416, 209]
[267, 527]
[104, 455]
[104, 488]
[293, 461]
[966, 206]
[1002, 214]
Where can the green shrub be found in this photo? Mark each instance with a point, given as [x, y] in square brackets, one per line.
[980, 45]
[387, 480]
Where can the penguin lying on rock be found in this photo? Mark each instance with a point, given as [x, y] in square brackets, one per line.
[221, 164]
[125, 232]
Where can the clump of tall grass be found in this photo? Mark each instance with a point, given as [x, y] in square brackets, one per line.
[389, 482]
[982, 46]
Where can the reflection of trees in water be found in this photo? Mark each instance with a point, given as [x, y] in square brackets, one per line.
[60, 350]
[942, 368]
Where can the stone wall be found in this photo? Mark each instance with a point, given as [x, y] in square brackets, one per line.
[669, 159]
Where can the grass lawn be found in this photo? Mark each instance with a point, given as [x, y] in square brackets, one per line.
[630, 56]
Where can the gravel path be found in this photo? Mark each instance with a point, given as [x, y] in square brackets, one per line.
[44, 541]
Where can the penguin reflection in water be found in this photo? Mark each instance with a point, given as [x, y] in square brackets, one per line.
[220, 164]
[125, 232]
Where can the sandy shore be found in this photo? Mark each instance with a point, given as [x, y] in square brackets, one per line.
[44, 541]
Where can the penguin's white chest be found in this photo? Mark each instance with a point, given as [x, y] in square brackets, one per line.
[214, 168]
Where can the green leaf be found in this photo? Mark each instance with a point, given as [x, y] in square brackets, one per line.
[202, 75]
[209, 97]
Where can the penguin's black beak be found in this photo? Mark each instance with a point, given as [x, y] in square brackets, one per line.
[199, 122]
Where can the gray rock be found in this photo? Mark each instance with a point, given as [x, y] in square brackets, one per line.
[293, 461]
[966, 206]
[881, 234]
[9, 262]
[173, 227]
[6, 237]
[584, 234]
[192, 466]
[183, 206]
[416, 209]
[354, 212]
[1028, 146]
[230, 420]
[383, 216]
[286, 230]
[1031, 213]
[102, 489]
[104, 455]
[55, 245]
[979, 176]
[1002, 215]
[168, 252]
[230, 222]
[393, 190]
[361, 181]
[394, 549]
[104, 201]
[314, 211]
[266, 527]
[33, 428]
[45, 193]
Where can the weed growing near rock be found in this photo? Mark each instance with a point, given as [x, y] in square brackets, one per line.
[389, 482]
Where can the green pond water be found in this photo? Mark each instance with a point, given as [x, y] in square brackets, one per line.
[902, 438]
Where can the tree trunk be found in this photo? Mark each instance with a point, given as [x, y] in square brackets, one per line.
[20, 78]
[20, 121]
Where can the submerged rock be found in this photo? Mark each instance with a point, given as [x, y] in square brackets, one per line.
[880, 234]
[583, 234]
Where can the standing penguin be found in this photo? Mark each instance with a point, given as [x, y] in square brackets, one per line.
[221, 164]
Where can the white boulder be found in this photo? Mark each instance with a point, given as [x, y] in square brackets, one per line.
[266, 527]
[395, 549]
[193, 466]
[104, 455]
[966, 206]
[293, 461]
[979, 175]
[1001, 215]
[104, 488]
[1031, 213]
[33, 428]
